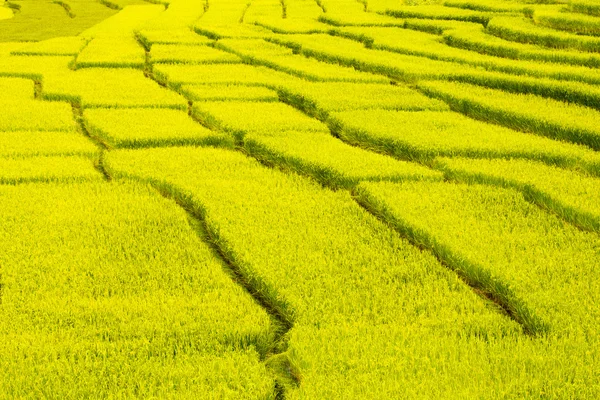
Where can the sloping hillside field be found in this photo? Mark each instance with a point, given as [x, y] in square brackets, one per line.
[300, 199]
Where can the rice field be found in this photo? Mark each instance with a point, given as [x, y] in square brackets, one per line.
[300, 199]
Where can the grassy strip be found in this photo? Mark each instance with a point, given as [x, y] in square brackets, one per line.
[106, 87]
[228, 92]
[177, 75]
[190, 54]
[421, 44]
[524, 31]
[329, 160]
[571, 195]
[546, 117]
[346, 52]
[320, 99]
[440, 12]
[585, 7]
[239, 118]
[103, 52]
[31, 144]
[525, 257]
[477, 276]
[64, 46]
[135, 128]
[295, 64]
[486, 5]
[47, 169]
[171, 36]
[36, 115]
[578, 24]
[15, 89]
[424, 135]
[568, 92]
[315, 256]
[477, 40]
[132, 288]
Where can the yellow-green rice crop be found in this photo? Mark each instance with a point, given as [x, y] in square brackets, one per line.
[179, 36]
[37, 20]
[225, 92]
[517, 250]
[240, 117]
[302, 10]
[575, 23]
[232, 74]
[566, 91]
[179, 15]
[146, 127]
[427, 134]
[124, 52]
[265, 199]
[47, 169]
[295, 64]
[130, 303]
[365, 304]
[38, 115]
[486, 5]
[589, 7]
[439, 12]
[106, 87]
[438, 26]
[477, 40]
[219, 31]
[432, 46]
[350, 53]
[61, 46]
[33, 67]
[298, 25]
[16, 89]
[5, 13]
[28, 143]
[362, 19]
[542, 116]
[571, 194]
[125, 22]
[190, 54]
[319, 99]
[330, 160]
[524, 31]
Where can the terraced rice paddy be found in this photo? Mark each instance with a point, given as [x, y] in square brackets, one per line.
[300, 199]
